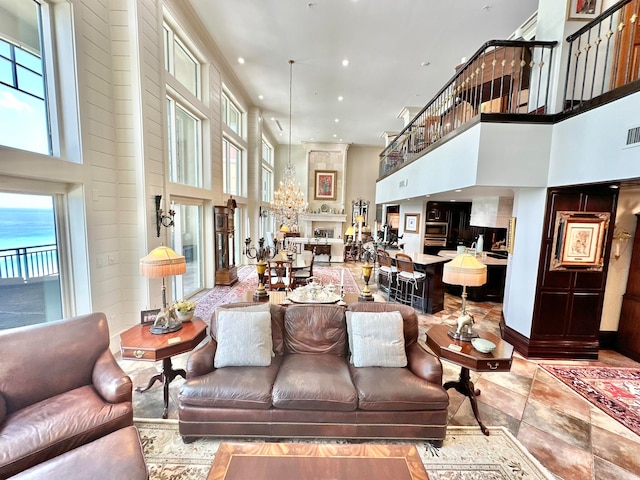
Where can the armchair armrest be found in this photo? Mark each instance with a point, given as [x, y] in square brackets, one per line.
[3, 408]
[110, 381]
[423, 364]
[200, 362]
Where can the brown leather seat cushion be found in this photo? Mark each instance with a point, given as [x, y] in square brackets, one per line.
[385, 389]
[53, 426]
[232, 387]
[314, 382]
[117, 455]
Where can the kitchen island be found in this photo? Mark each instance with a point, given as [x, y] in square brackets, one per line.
[431, 265]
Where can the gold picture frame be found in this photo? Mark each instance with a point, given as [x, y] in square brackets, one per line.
[325, 184]
[579, 241]
[511, 234]
[411, 222]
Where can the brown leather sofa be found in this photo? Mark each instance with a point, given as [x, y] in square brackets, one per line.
[343, 401]
[60, 388]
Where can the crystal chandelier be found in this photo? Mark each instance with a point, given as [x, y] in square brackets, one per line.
[288, 199]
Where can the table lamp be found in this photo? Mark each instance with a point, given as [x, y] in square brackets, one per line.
[467, 271]
[350, 233]
[159, 263]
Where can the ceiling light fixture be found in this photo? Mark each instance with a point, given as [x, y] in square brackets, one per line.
[261, 97]
[288, 200]
[241, 60]
[337, 120]
[340, 98]
[345, 62]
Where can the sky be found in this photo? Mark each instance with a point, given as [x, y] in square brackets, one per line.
[17, 200]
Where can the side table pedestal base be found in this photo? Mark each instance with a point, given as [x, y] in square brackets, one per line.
[465, 386]
[166, 376]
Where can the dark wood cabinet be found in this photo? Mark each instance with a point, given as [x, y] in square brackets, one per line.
[628, 338]
[226, 272]
[456, 215]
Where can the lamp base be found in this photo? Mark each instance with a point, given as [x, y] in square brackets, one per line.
[363, 297]
[159, 330]
[463, 336]
[260, 292]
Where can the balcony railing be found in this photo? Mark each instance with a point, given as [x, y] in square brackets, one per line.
[29, 262]
[503, 76]
[603, 55]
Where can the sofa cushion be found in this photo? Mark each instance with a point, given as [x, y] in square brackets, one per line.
[244, 339]
[277, 320]
[396, 389]
[409, 316]
[314, 382]
[315, 329]
[232, 387]
[376, 339]
[53, 426]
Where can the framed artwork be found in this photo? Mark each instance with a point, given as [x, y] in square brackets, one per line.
[411, 221]
[147, 317]
[578, 241]
[511, 234]
[584, 9]
[325, 185]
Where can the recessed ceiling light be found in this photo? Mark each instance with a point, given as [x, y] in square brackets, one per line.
[458, 190]
[241, 60]
[261, 97]
[335, 135]
[345, 62]
[453, 200]
[337, 120]
[311, 139]
[340, 98]
[273, 119]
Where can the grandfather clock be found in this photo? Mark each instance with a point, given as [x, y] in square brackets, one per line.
[226, 272]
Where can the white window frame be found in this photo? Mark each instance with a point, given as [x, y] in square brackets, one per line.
[227, 143]
[267, 165]
[173, 102]
[229, 104]
[171, 38]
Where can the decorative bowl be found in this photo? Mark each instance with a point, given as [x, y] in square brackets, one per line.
[482, 345]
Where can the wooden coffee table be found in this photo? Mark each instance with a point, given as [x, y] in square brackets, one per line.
[293, 461]
[463, 354]
[137, 343]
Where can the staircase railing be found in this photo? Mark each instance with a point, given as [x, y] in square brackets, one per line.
[603, 54]
[503, 76]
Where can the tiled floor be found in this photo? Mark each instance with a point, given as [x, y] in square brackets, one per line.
[573, 439]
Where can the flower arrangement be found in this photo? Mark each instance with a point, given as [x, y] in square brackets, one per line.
[184, 306]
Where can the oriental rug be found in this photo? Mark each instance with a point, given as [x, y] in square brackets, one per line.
[248, 281]
[466, 454]
[614, 390]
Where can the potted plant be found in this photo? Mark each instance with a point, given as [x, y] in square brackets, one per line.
[184, 310]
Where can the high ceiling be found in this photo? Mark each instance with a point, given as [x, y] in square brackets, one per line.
[400, 54]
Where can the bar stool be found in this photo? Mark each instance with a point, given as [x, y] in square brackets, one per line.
[387, 272]
[411, 284]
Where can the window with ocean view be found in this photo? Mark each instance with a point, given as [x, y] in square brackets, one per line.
[29, 263]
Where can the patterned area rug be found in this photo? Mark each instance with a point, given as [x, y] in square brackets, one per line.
[466, 454]
[248, 281]
[614, 390]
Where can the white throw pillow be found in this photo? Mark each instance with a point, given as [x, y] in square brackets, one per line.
[262, 307]
[376, 339]
[244, 339]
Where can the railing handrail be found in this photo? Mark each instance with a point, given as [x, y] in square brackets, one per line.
[608, 12]
[460, 72]
[47, 246]
[34, 261]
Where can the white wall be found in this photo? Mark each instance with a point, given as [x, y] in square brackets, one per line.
[522, 269]
[413, 242]
[362, 173]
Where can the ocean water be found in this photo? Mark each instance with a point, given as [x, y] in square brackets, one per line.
[26, 227]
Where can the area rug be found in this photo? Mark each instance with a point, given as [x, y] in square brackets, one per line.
[614, 390]
[248, 282]
[467, 454]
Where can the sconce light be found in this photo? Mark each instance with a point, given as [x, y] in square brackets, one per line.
[162, 219]
[620, 241]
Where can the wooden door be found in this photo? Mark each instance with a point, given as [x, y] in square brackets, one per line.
[627, 47]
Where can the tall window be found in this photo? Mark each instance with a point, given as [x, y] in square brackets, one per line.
[231, 115]
[29, 269]
[180, 62]
[267, 172]
[185, 159]
[24, 117]
[232, 168]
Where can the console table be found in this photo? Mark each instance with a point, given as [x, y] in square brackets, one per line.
[319, 248]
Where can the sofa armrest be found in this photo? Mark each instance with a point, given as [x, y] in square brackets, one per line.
[423, 364]
[200, 362]
[3, 408]
[110, 381]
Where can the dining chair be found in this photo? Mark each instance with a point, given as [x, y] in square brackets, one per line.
[301, 276]
[280, 275]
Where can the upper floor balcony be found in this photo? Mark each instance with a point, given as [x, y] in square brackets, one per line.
[530, 82]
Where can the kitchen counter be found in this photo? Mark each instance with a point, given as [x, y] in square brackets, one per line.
[486, 259]
[421, 258]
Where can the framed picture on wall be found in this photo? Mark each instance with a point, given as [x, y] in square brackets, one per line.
[578, 240]
[325, 185]
[411, 221]
[584, 9]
